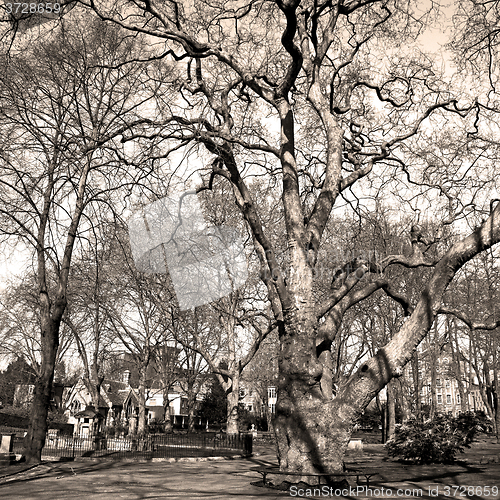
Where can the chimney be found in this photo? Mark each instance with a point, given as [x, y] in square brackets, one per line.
[126, 377]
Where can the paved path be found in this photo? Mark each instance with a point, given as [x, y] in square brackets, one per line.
[221, 479]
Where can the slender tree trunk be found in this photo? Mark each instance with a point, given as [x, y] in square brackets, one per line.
[166, 412]
[404, 398]
[495, 390]
[191, 404]
[391, 410]
[93, 384]
[381, 410]
[432, 363]
[233, 398]
[417, 385]
[141, 424]
[457, 369]
[484, 385]
[496, 420]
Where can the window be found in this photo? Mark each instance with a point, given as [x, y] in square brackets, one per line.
[272, 408]
[184, 406]
[448, 399]
[447, 383]
[75, 407]
[438, 382]
[458, 399]
[271, 392]
[440, 399]
[30, 389]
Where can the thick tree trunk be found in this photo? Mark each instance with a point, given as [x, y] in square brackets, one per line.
[313, 429]
[307, 440]
[35, 438]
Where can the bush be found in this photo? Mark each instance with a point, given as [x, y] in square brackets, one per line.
[120, 430]
[156, 427]
[109, 431]
[246, 419]
[434, 441]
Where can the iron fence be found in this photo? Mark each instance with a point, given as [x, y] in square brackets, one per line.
[149, 447]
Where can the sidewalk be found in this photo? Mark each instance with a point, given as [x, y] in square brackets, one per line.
[211, 479]
[230, 479]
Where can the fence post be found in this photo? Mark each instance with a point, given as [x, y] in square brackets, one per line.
[249, 443]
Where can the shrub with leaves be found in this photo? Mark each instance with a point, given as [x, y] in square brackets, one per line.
[434, 441]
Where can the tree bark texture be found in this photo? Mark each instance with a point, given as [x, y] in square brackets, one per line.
[35, 438]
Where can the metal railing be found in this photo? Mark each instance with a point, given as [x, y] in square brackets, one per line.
[149, 447]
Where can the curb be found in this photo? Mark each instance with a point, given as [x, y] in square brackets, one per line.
[160, 459]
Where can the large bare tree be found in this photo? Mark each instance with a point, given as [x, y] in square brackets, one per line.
[332, 104]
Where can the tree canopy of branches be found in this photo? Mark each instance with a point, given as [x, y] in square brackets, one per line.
[62, 117]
